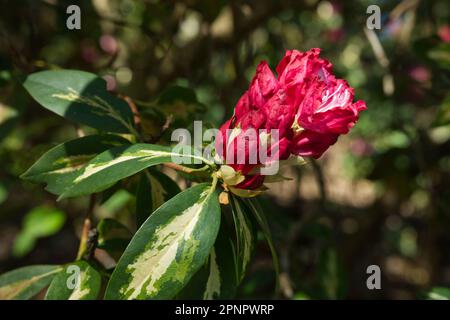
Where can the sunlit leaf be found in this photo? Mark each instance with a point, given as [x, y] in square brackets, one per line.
[81, 97]
[59, 167]
[24, 283]
[116, 164]
[439, 293]
[169, 248]
[77, 281]
[217, 279]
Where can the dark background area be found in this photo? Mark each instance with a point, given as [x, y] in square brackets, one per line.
[379, 196]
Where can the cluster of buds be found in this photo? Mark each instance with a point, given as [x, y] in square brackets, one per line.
[300, 113]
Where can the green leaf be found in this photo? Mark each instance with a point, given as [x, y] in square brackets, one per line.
[60, 166]
[24, 283]
[260, 217]
[8, 120]
[195, 288]
[3, 193]
[177, 93]
[113, 236]
[180, 104]
[81, 97]
[331, 274]
[116, 164]
[222, 281]
[23, 244]
[39, 222]
[441, 55]
[439, 293]
[153, 190]
[169, 248]
[217, 279]
[443, 114]
[245, 235]
[117, 201]
[78, 281]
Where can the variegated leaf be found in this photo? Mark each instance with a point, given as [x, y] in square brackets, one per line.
[153, 190]
[214, 282]
[24, 283]
[81, 97]
[116, 164]
[222, 279]
[61, 165]
[245, 234]
[78, 281]
[217, 279]
[171, 245]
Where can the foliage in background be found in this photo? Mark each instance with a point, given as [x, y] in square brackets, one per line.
[392, 209]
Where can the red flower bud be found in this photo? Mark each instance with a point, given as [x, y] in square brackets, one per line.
[306, 104]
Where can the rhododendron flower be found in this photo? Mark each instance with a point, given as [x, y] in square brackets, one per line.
[307, 106]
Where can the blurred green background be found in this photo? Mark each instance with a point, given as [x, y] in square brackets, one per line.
[380, 196]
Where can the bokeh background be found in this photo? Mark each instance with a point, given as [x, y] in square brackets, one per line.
[380, 196]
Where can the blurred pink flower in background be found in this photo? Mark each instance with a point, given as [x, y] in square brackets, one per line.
[361, 148]
[394, 27]
[444, 33]
[108, 44]
[335, 35]
[420, 74]
[111, 82]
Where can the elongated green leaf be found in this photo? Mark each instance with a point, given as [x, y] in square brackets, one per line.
[245, 235]
[153, 190]
[116, 164]
[59, 167]
[172, 244]
[331, 275]
[222, 279]
[26, 282]
[217, 279]
[78, 281]
[258, 213]
[81, 97]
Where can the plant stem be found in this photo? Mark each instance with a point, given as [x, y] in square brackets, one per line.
[184, 169]
[85, 238]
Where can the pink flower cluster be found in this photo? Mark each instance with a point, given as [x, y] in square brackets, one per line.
[306, 103]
